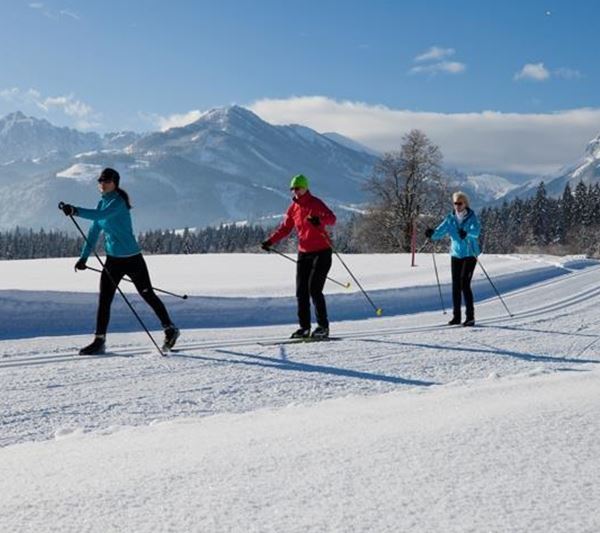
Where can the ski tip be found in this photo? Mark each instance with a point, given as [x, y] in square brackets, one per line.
[379, 311]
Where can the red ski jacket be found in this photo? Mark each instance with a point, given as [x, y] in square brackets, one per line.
[311, 238]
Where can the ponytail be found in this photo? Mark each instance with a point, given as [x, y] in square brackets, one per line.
[123, 195]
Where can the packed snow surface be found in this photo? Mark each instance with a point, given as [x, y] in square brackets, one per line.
[403, 425]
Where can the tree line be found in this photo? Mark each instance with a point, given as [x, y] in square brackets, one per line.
[569, 224]
[29, 244]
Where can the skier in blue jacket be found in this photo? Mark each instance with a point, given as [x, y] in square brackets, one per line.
[123, 257]
[463, 228]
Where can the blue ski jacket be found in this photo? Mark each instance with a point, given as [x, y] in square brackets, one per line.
[113, 217]
[461, 248]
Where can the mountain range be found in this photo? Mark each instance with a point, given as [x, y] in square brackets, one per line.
[586, 169]
[227, 166]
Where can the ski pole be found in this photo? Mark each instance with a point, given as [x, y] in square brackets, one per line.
[422, 247]
[490, 280]
[60, 206]
[437, 277]
[494, 287]
[345, 285]
[378, 310]
[183, 297]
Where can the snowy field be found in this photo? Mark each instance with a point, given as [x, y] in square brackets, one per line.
[404, 425]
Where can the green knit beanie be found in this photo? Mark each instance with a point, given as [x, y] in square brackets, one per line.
[299, 181]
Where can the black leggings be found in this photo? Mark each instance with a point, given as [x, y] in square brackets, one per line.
[311, 274]
[134, 267]
[462, 273]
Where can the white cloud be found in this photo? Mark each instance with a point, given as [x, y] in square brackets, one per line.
[16, 96]
[435, 62]
[83, 114]
[71, 14]
[54, 15]
[533, 71]
[177, 120]
[68, 104]
[530, 143]
[435, 53]
[9, 94]
[539, 72]
[447, 67]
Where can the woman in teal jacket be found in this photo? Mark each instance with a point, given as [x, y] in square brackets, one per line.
[123, 257]
[463, 228]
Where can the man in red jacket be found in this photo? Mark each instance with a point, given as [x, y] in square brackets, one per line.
[309, 216]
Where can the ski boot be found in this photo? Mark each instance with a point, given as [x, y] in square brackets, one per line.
[469, 323]
[301, 333]
[171, 336]
[454, 322]
[320, 333]
[96, 348]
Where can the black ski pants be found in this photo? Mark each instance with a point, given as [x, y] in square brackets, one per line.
[462, 273]
[134, 267]
[311, 274]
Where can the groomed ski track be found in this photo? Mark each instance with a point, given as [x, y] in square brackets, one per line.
[549, 296]
[225, 370]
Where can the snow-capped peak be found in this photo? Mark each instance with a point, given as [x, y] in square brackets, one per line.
[12, 119]
[23, 137]
[593, 148]
[489, 186]
[225, 117]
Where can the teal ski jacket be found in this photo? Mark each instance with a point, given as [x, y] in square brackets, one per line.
[113, 217]
[461, 248]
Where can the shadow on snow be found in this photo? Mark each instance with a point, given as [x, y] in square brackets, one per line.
[286, 364]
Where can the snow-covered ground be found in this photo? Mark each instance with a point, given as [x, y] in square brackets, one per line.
[235, 290]
[402, 425]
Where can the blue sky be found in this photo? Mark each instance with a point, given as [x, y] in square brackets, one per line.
[109, 65]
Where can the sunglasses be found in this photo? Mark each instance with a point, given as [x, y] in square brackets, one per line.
[296, 188]
[104, 180]
[458, 203]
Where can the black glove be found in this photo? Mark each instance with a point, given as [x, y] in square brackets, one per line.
[462, 233]
[266, 245]
[80, 265]
[68, 209]
[314, 220]
[429, 232]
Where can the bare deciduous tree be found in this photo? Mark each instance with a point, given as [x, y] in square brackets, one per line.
[405, 186]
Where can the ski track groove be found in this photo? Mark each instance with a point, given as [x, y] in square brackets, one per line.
[501, 318]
